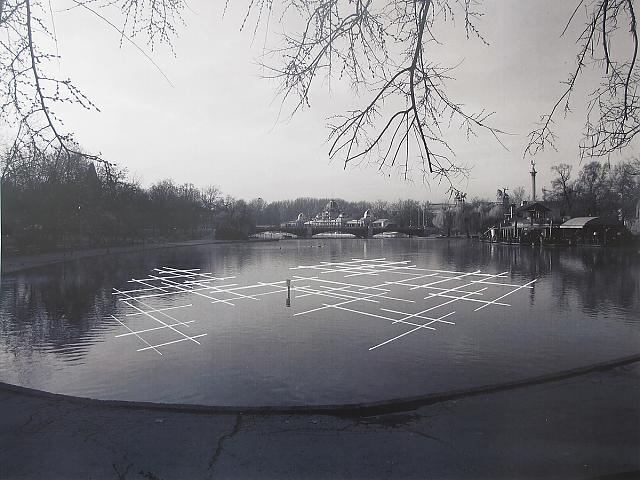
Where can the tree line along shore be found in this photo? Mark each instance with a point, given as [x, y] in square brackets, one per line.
[55, 204]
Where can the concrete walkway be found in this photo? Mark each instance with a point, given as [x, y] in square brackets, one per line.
[583, 427]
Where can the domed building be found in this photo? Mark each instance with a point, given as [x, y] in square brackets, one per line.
[331, 215]
[367, 218]
[331, 211]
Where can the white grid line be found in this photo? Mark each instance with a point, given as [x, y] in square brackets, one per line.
[137, 335]
[450, 295]
[330, 283]
[151, 329]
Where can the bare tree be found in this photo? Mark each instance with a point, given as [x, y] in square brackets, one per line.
[378, 48]
[518, 194]
[562, 185]
[31, 92]
[382, 48]
[613, 110]
[444, 219]
[210, 196]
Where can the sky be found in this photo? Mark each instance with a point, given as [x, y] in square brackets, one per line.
[220, 122]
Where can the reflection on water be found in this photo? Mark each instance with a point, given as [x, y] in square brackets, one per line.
[56, 331]
[46, 310]
[63, 307]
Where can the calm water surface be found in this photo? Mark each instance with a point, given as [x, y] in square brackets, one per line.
[58, 327]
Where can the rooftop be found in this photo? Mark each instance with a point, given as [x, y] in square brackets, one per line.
[533, 206]
[582, 222]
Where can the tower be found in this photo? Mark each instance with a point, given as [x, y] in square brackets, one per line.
[533, 180]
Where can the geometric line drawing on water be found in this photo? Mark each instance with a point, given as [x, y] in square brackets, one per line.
[435, 283]
[396, 296]
[169, 282]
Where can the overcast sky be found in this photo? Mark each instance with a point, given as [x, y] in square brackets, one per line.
[219, 123]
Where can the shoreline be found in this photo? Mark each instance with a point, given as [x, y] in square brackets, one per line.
[401, 405]
[506, 434]
[635, 243]
[17, 263]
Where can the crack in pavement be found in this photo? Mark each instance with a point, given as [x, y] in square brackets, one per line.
[149, 475]
[223, 439]
[430, 437]
[122, 475]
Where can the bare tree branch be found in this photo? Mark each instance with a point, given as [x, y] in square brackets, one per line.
[613, 118]
[379, 50]
[27, 103]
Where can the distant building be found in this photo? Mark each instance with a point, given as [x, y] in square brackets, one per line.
[559, 210]
[330, 216]
[593, 230]
[333, 216]
[531, 220]
[298, 222]
[381, 223]
[366, 219]
[535, 212]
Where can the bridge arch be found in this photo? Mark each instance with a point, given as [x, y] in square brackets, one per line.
[309, 230]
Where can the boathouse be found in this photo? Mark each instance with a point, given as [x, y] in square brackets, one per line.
[530, 221]
[593, 230]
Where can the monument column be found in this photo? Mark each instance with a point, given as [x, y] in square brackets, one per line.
[533, 181]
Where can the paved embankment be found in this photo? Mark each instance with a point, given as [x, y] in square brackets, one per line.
[580, 427]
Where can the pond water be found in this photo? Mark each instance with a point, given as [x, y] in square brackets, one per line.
[368, 320]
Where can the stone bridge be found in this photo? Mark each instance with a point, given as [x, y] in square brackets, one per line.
[364, 231]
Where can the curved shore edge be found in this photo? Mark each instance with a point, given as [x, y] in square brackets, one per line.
[367, 409]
